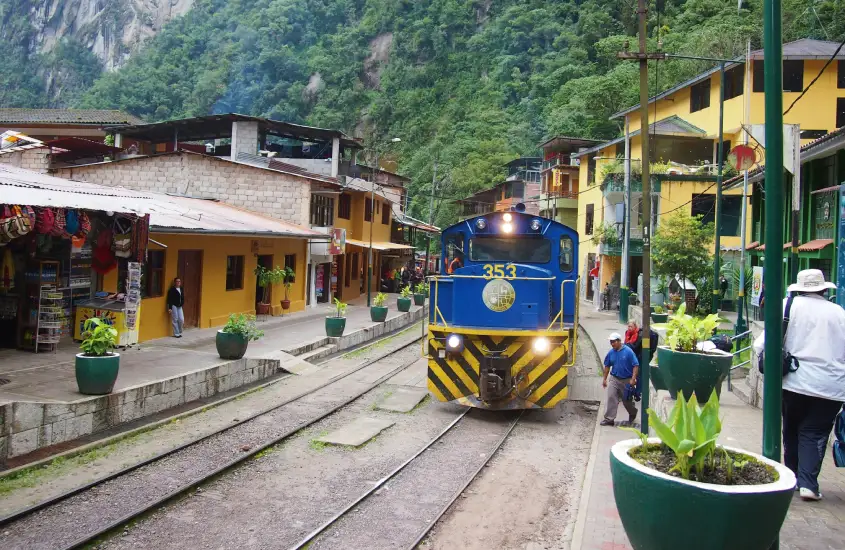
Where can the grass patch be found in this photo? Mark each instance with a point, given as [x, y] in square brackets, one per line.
[423, 402]
[318, 445]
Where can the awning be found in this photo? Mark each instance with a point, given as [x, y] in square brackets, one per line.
[762, 247]
[378, 245]
[816, 244]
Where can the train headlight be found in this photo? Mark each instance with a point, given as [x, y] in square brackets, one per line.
[541, 345]
[481, 224]
[507, 217]
[535, 225]
[454, 342]
[507, 228]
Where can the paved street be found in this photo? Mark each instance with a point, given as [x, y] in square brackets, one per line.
[809, 526]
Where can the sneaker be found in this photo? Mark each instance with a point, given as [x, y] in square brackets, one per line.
[807, 494]
[606, 422]
[632, 418]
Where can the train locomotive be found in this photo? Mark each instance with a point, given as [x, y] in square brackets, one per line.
[503, 316]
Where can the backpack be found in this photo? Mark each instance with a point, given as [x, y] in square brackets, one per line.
[839, 444]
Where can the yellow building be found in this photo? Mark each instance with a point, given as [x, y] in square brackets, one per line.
[684, 151]
[559, 178]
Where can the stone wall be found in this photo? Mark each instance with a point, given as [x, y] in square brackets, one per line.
[282, 196]
[37, 160]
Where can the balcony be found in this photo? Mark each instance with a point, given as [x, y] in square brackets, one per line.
[560, 160]
[615, 249]
[615, 183]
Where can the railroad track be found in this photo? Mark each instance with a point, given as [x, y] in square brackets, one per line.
[363, 522]
[65, 521]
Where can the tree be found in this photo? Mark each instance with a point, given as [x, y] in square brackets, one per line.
[681, 247]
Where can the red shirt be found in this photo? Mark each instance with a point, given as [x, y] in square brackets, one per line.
[630, 336]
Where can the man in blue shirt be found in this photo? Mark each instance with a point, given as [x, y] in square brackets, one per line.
[622, 366]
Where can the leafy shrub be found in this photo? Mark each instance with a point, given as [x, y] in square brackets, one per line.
[340, 308]
[406, 292]
[98, 338]
[379, 300]
[684, 332]
[420, 288]
[244, 325]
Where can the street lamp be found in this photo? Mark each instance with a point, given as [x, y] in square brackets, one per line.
[372, 218]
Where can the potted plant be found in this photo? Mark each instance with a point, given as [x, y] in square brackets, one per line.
[701, 495]
[287, 277]
[404, 300]
[378, 311]
[97, 366]
[336, 323]
[632, 298]
[266, 279]
[419, 294]
[658, 315]
[683, 367]
[233, 339]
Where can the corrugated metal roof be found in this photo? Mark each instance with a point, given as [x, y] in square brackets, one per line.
[94, 117]
[669, 126]
[168, 213]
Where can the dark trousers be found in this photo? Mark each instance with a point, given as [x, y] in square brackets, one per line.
[807, 422]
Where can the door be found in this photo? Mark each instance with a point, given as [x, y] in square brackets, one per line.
[308, 279]
[341, 275]
[265, 261]
[190, 271]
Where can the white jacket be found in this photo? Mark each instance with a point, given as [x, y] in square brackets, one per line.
[816, 337]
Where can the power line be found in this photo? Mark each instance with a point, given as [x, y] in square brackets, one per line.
[810, 85]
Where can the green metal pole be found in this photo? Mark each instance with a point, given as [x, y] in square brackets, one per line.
[642, 8]
[714, 299]
[773, 266]
[624, 293]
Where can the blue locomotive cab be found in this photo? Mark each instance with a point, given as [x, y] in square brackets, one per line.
[508, 293]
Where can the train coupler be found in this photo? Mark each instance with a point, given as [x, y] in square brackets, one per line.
[495, 378]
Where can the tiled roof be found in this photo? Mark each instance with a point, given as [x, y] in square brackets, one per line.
[763, 246]
[94, 117]
[816, 244]
[670, 126]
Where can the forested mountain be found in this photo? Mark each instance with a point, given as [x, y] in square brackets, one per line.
[471, 83]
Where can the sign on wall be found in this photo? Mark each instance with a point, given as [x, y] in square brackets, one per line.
[840, 279]
[756, 285]
[338, 244]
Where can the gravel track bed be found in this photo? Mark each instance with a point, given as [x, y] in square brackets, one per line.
[72, 519]
[395, 515]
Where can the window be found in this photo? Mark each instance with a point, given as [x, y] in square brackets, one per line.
[699, 96]
[234, 272]
[591, 170]
[590, 219]
[290, 261]
[355, 264]
[347, 263]
[793, 76]
[759, 80]
[567, 258]
[840, 112]
[840, 74]
[322, 211]
[344, 206]
[734, 82]
[705, 206]
[368, 209]
[385, 214]
[726, 150]
[454, 249]
[153, 280]
[512, 249]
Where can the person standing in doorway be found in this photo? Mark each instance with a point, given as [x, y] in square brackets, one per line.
[621, 365]
[175, 301]
[814, 392]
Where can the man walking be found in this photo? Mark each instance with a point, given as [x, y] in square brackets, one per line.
[813, 394]
[622, 366]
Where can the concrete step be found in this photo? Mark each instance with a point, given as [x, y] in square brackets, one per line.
[303, 348]
[318, 353]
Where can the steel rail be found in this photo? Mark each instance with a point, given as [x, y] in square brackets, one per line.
[90, 538]
[21, 514]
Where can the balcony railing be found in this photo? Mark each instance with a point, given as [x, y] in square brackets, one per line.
[616, 249]
[559, 160]
[615, 183]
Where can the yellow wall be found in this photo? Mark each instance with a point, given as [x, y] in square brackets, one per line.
[216, 303]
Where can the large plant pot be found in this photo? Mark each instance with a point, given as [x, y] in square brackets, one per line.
[230, 345]
[632, 299]
[404, 304]
[335, 326]
[378, 313]
[419, 299]
[96, 375]
[659, 317]
[698, 373]
[262, 309]
[285, 305]
[662, 512]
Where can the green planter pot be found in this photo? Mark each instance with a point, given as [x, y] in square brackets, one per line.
[377, 313]
[661, 512]
[96, 375]
[659, 317]
[230, 346]
[419, 299]
[656, 378]
[697, 373]
[652, 308]
[335, 326]
[404, 304]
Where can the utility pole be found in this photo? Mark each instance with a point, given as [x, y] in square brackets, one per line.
[741, 325]
[714, 299]
[773, 274]
[431, 212]
[372, 216]
[626, 242]
[642, 9]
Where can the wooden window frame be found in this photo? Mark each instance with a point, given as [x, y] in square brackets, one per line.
[699, 96]
[344, 207]
[797, 67]
[589, 218]
[385, 215]
[368, 209]
[734, 82]
[322, 211]
[239, 261]
[840, 112]
[149, 270]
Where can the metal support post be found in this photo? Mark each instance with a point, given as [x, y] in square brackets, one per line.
[642, 10]
[626, 242]
[741, 326]
[372, 217]
[430, 214]
[773, 274]
[714, 299]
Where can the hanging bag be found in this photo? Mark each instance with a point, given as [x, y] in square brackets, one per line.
[59, 223]
[84, 224]
[71, 223]
[789, 363]
[12, 224]
[839, 444]
[44, 221]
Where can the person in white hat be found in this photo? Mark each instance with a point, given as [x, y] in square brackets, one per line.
[814, 393]
[620, 368]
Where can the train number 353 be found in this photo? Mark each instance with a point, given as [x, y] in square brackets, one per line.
[499, 271]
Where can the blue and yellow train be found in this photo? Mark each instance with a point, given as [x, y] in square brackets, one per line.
[503, 316]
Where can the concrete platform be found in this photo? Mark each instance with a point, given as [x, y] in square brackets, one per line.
[402, 399]
[357, 432]
[40, 405]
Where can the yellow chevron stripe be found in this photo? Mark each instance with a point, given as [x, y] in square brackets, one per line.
[548, 384]
[547, 363]
[513, 348]
[446, 380]
[497, 338]
[473, 363]
[563, 394]
[432, 387]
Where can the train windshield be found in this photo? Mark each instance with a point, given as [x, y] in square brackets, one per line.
[524, 251]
